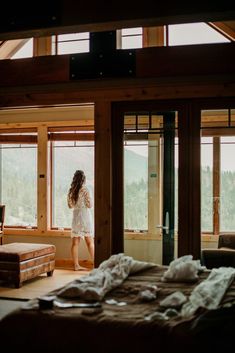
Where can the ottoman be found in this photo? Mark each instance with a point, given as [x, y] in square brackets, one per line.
[20, 262]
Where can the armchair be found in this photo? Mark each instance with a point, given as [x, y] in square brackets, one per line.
[224, 255]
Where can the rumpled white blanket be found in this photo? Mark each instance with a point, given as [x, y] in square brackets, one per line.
[183, 269]
[110, 274]
[209, 293]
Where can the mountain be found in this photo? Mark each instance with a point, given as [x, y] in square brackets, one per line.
[135, 167]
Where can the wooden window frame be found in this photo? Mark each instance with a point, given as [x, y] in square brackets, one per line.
[56, 134]
[13, 136]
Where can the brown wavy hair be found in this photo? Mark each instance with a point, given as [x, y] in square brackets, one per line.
[79, 179]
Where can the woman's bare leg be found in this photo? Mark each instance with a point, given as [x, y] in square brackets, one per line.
[74, 251]
[90, 246]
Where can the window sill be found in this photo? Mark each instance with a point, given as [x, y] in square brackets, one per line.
[36, 232]
[141, 236]
[209, 237]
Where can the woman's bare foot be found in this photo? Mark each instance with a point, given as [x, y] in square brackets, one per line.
[80, 268]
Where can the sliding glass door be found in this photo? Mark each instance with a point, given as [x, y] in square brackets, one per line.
[150, 185]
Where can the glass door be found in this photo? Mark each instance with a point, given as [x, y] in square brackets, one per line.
[217, 175]
[150, 185]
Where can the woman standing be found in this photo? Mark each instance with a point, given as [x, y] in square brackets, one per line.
[80, 200]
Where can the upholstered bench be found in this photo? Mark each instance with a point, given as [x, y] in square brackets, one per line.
[20, 262]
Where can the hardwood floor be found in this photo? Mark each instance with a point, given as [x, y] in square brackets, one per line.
[8, 305]
[12, 298]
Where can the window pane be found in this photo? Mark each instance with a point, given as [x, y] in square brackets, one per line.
[24, 52]
[18, 170]
[194, 33]
[227, 200]
[73, 157]
[136, 185]
[73, 36]
[206, 184]
[132, 42]
[131, 31]
[131, 38]
[81, 46]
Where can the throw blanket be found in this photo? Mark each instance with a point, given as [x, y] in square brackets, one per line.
[208, 294]
[110, 274]
[183, 269]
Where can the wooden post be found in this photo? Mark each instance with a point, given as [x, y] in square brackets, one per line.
[103, 182]
[189, 229]
[216, 184]
[42, 179]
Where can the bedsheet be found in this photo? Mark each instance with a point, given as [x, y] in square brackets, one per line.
[130, 324]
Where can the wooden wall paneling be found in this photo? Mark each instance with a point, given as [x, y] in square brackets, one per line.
[42, 174]
[189, 229]
[42, 46]
[103, 182]
[153, 36]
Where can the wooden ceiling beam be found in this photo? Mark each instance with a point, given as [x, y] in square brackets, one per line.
[178, 61]
[52, 17]
[226, 28]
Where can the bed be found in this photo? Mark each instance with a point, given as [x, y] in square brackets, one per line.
[129, 327]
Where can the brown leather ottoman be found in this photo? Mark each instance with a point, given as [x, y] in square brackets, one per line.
[22, 261]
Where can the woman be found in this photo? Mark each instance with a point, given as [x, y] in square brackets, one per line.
[80, 200]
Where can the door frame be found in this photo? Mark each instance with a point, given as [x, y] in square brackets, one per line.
[189, 172]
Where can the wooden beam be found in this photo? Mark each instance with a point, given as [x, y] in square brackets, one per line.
[157, 89]
[189, 229]
[186, 60]
[10, 47]
[37, 70]
[68, 16]
[179, 61]
[103, 182]
[42, 46]
[153, 36]
[226, 28]
[42, 175]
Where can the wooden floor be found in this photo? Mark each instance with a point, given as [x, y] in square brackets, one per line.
[11, 298]
[8, 305]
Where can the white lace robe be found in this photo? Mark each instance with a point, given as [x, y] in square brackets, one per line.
[82, 224]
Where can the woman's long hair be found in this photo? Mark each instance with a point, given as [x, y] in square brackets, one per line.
[77, 182]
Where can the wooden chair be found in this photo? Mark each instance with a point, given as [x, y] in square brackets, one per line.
[2, 218]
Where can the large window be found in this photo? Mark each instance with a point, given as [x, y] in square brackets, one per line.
[131, 38]
[75, 151]
[26, 51]
[217, 171]
[207, 184]
[18, 168]
[71, 43]
[194, 33]
[136, 185]
[227, 184]
[144, 141]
